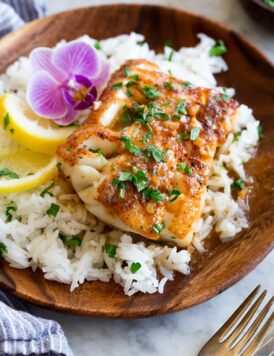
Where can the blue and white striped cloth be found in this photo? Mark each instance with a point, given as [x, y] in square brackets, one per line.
[23, 334]
[20, 332]
[15, 13]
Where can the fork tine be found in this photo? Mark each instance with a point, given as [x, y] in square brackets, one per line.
[253, 328]
[246, 319]
[256, 343]
[236, 315]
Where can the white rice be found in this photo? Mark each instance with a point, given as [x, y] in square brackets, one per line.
[32, 237]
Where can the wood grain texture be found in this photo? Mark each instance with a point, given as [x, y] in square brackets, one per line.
[253, 77]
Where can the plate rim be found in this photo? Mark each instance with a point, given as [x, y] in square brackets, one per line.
[247, 268]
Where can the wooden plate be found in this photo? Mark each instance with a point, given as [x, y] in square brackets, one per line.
[253, 77]
[261, 12]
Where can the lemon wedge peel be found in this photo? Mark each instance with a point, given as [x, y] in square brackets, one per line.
[29, 182]
[37, 134]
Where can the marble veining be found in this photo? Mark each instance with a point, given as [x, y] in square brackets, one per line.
[182, 333]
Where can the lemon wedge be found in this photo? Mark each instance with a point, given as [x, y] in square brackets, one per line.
[24, 170]
[28, 129]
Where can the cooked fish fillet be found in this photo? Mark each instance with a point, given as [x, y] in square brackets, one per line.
[142, 159]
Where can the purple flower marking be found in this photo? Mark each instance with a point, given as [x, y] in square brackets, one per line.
[64, 80]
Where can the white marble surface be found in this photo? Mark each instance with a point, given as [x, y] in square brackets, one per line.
[183, 333]
[179, 334]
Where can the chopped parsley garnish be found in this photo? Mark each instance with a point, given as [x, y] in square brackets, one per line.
[142, 114]
[136, 132]
[98, 150]
[184, 167]
[97, 45]
[180, 107]
[155, 152]
[140, 43]
[47, 190]
[238, 184]
[6, 120]
[174, 194]
[218, 49]
[53, 210]
[122, 190]
[217, 97]
[155, 111]
[62, 236]
[139, 179]
[124, 176]
[129, 145]
[151, 92]
[147, 137]
[194, 133]
[187, 84]
[225, 95]
[74, 242]
[58, 166]
[169, 71]
[126, 71]
[131, 83]
[188, 170]
[12, 131]
[121, 185]
[153, 194]
[260, 132]
[157, 228]
[177, 117]
[169, 85]
[126, 118]
[135, 77]
[128, 93]
[148, 127]
[117, 86]
[166, 103]
[237, 136]
[9, 212]
[168, 43]
[110, 250]
[6, 172]
[170, 56]
[182, 135]
[135, 266]
[3, 249]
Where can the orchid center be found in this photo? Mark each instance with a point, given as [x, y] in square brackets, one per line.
[79, 92]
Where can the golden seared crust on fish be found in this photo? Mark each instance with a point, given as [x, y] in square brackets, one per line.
[142, 159]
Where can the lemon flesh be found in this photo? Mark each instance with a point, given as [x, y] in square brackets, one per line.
[29, 130]
[31, 168]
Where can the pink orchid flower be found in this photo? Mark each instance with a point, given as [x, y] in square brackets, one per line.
[65, 80]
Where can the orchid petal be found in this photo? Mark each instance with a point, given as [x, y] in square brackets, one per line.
[102, 77]
[41, 59]
[68, 118]
[45, 96]
[77, 58]
[80, 79]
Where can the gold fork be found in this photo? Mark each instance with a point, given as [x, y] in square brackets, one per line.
[233, 340]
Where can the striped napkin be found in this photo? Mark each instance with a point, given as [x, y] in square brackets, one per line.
[20, 332]
[15, 13]
[23, 334]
